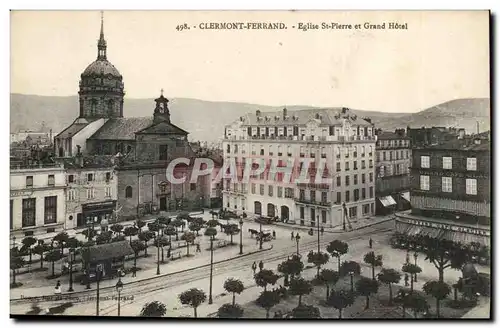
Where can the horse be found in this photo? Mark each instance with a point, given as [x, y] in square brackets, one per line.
[253, 232]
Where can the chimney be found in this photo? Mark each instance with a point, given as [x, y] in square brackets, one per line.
[257, 113]
[284, 112]
[477, 126]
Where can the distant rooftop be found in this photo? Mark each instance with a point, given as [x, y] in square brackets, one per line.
[468, 143]
[98, 161]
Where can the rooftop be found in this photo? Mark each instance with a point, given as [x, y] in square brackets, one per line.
[468, 143]
[97, 161]
[122, 128]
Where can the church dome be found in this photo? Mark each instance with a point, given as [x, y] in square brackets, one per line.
[101, 67]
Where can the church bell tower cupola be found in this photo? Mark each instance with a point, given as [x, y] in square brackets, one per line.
[161, 113]
[101, 44]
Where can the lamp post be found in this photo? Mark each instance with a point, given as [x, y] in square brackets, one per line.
[260, 236]
[119, 288]
[210, 301]
[297, 238]
[415, 256]
[241, 236]
[352, 280]
[343, 216]
[90, 224]
[158, 248]
[317, 219]
[71, 251]
[98, 273]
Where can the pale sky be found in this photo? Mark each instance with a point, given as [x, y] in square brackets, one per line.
[442, 56]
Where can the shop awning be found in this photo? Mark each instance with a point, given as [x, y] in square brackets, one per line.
[406, 195]
[387, 201]
[108, 251]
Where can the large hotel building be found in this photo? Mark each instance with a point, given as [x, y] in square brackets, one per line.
[335, 137]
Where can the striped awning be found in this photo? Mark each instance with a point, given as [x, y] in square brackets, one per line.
[387, 201]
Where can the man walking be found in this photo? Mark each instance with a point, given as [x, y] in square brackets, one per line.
[261, 266]
[291, 238]
[370, 242]
[254, 267]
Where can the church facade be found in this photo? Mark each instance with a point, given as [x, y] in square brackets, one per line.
[142, 146]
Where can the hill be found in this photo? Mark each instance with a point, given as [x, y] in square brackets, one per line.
[205, 120]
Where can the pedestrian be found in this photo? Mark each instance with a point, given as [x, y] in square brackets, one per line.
[134, 273]
[254, 267]
[311, 232]
[65, 267]
[408, 257]
[261, 266]
[291, 238]
[370, 242]
[57, 290]
[322, 231]
[198, 249]
[274, 234]
[406, 280]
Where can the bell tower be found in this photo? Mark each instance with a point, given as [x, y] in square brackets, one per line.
[161, 113]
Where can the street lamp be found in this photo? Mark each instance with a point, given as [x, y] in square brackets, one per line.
[119, 288]
[71, 252]
[317, 219]
[241, 235]
[415, 256]
[98, 273]
[352, 280]
[90, 224]
[157, 236]
[297, 238]
[210, 301]
[343, 216]
[260, 236]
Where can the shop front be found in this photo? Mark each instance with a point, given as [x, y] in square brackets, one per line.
[97, 212]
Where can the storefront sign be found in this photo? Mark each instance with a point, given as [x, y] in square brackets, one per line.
[94, 206]
[445, 226]
[18, 193]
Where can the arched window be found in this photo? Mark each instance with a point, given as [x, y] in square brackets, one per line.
[128, 192]
[111, 104]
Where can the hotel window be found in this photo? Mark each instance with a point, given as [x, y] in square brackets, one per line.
[289, 151]
[371, 193]
[363, 193]
[371, 163]
[353, 212]
[270, 191]
[339, 181]
[312, 195]
[50, 210]
[390, 155]
[71, 195]
[279, 151]
[371, 177]
[407, 154]
[363, 164]
[338, 167]
[261, 151]
[338, 152]
[323, 216]
[362, 151]
[425, 162]
[339, 197]
[446, 184]
[471, 164]
[29, 181]
[366, 209]
[29, 210]
[347, 166]
[107, 191]
[447, 163]
[363, 178]
[378, 156]
[324, 197]
[280, 191]
[347, 180]
[108, 176]
[128, 192]
[90, 177]
[192, 187]
[424, 182]
[253, 149]
[381, 171]
[289, 193]
[347, 200]
[346, 152]
[384, 156]
[51, 180]
[302, 213]
[355, 165]
[90, 193]
[71, 178]
[371, 151]
[302, 194]
[243, 151]
[253, 188]
[261, 189]
[355, 152]
[323, 152]
[355, 179]
[356, 195]
[471, 186]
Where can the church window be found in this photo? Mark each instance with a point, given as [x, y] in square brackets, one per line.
[128, 192]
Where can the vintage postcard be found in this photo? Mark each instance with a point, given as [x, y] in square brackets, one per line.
[250, 164]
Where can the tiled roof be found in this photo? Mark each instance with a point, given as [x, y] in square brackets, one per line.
[97, 161]
[327, 116]
[101, 67]
[122, 128]
[163, 128]
[72, 130]
[466, 144]
[387, 135]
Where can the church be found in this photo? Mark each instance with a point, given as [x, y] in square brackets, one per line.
[140, 147]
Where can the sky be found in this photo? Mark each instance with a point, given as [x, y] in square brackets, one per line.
[439, 57]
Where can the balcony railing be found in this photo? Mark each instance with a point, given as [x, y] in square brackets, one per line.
[312, 202]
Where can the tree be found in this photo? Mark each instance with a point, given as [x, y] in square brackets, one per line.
[53, 256]
[189, 237]
[154, 226]
[417, 303]
[137, 247]
[389, 277]
[444, 254]
[366, 287]
[170, 231]
[195, 227]
[329, 278]
[300, 286]
[265, 277]
[104, 237]
[72, 243]
[61, 239]
[306, 311]
[212, 223]
[146, 236]
[164, 220]
[337, 248]
[268, 299]
[231, 230]
[161, 242]
[373, 260]
[178, 223]
[28, 242]
[229, 310]
[340, 299]
[349, 266]
[16, 262]
[117, 228]
[411, 269]
[193, 297]
[437, 289]
[139, 223]
[130, 231]
[234, 286]
[153, 309]
[89, 233]
[183, 216]
[40, 249]
[318, 259]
